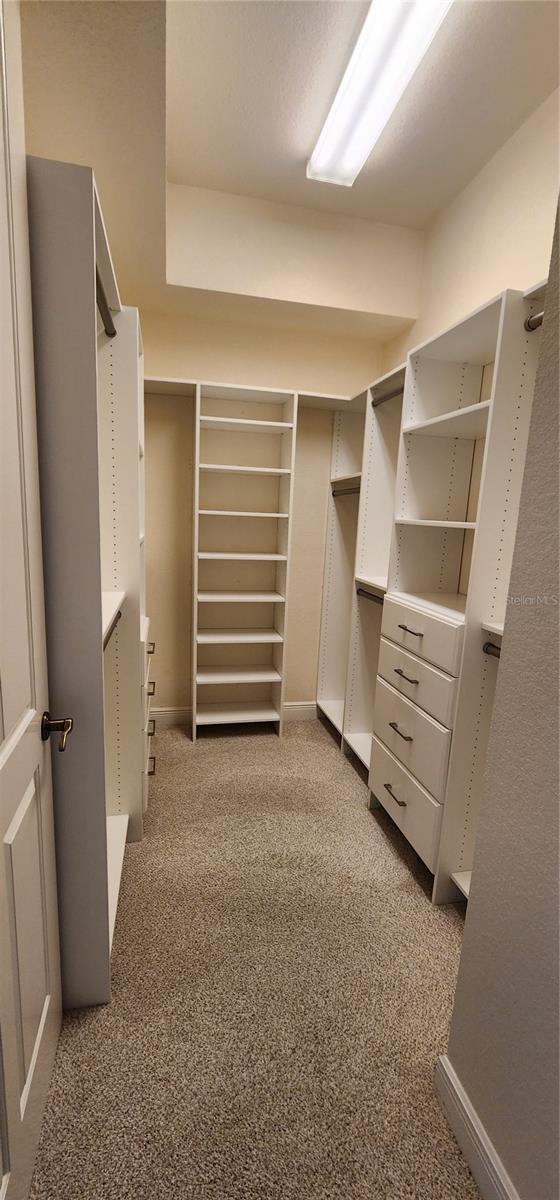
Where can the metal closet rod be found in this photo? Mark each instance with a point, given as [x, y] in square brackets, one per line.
[390, 396]
[353, 491]
[104, 310]
[533, 323]
[369, 596]
[491, 649]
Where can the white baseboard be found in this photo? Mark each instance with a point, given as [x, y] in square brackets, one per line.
[480, 1153]
[293, 711]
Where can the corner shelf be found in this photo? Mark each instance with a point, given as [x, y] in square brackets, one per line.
[467, 423]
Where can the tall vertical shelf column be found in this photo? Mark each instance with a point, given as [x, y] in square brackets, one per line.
[243, 496]
[375, 524]
[88, 383]
[340, 549]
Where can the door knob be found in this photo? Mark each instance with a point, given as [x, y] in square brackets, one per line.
[63, 726]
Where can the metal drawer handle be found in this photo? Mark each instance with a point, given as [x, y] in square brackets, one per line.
[151, 727]
[398, 671]
[151, 648]
[151, 765]
[414, 632]
[152, 688]
[388, 788]
[405, 736]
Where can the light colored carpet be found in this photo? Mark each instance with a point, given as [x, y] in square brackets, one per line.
[282, 988]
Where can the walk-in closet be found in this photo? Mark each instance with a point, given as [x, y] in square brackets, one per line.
[279, 600]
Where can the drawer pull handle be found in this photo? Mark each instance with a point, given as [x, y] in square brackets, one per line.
[151, 727]
[151, 765]
[405, 736]
[388, 788]
[403, 676]
[414, 632]
[152, 688]
[151, 648]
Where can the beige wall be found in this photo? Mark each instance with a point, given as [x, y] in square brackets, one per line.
[244, 245]
[496, 234]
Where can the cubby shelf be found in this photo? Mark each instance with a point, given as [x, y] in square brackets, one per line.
[467, 423]
[241, 425]
[238, 637]
[462, 879]
[230, 469]
[334, 710]
[225, 556]
[216, 675]
[236, 714]
[360, 743]
[240, 598]
[111, 603]
[435, 524]
[233, 512]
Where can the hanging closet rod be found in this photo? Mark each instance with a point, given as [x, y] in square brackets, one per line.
[491, 649]
[390, 396]
[353, 491]
[369, 595]
[533, 323]
[112, 628]
[104, 310]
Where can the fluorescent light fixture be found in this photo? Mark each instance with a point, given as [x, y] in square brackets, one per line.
[393, 41]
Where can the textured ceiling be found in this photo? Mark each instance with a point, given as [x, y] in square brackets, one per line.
[250, 83]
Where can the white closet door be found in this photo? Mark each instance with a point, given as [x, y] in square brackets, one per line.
[29, 951]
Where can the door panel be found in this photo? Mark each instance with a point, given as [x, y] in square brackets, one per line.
[29, 951]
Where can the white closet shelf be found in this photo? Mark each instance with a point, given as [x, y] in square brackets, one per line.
[241, 598]
[450, 605]
[117, 828]
[494, 627]
[334, 710]
[435, 524]
[225, 556]
[210, 675]
[241, 425]
[229, 469]
[360, 743]
[238, 637]
[376, 583]
[111, 602]
[347, 480]
[462, 880]
[467, 423]
[235, 714]
[233, 512]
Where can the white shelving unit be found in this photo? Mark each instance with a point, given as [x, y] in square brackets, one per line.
[243, 489]
[375, 522]
[465, 419]
[90, 419]
[342, 523]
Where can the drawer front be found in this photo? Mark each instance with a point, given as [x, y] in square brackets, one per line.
[413, 810]
[438, 641]
[418, 741]
[428, 687]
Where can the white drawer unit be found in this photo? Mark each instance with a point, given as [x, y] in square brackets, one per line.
[430, 688]
[415, 812]
[436, 639]
[418, 741]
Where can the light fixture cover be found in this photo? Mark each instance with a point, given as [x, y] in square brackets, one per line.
[393, 41]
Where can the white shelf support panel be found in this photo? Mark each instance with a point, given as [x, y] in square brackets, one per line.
[244, 462]
[116, 840]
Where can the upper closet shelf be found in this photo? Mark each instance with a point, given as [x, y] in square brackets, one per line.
[229, 469]
[462, 423]
[111, 604]
[346, 485]
[234, 512]
[241, 425]
[435, 524]
[225, 556]
[241, 598]
[375, 583]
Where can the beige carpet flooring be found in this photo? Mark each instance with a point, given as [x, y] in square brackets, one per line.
[282, 988]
